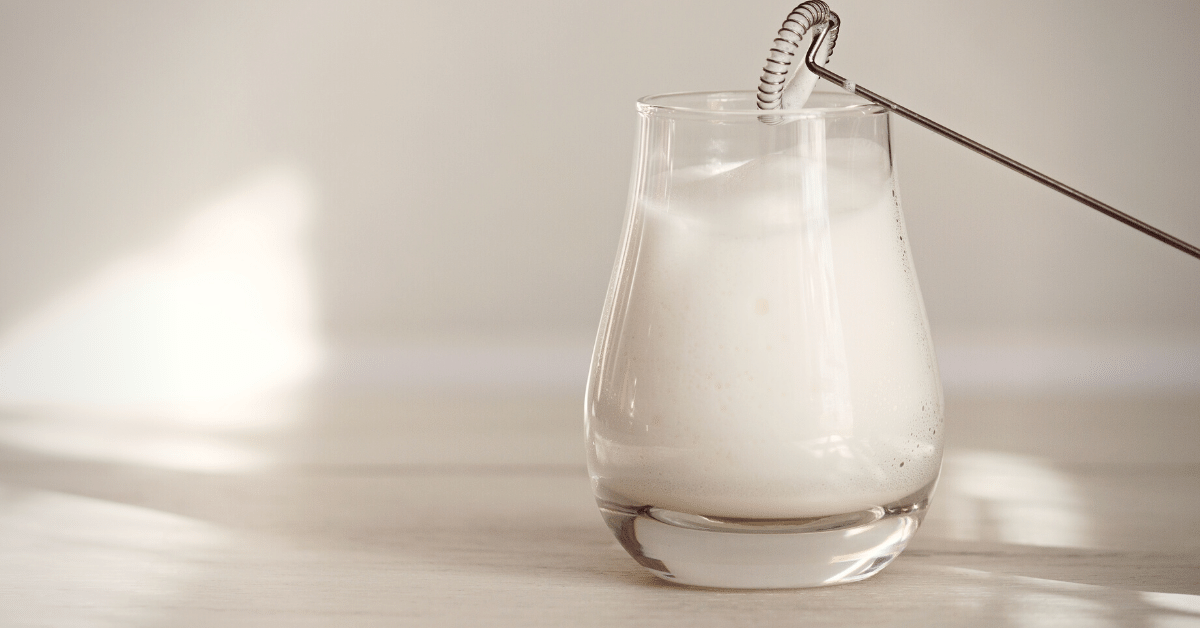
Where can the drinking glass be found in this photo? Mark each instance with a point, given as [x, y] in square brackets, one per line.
[763, 408]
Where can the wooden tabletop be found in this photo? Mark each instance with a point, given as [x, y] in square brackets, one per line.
[363, 507]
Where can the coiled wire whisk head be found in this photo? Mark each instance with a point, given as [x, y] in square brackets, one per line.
[774, 87]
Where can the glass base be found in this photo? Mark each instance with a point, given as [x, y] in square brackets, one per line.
[763, 554]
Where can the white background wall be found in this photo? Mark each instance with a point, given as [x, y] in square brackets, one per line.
[465, 164]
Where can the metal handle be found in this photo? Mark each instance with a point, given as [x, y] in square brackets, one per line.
[816, 13]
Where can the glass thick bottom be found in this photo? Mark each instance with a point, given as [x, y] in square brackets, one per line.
[765, 554]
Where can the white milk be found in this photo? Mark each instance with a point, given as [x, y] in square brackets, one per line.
[773, 361]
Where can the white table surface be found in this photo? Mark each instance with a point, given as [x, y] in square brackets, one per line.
[457, 508]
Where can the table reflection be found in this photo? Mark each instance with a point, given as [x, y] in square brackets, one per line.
[72, 561]
[1011, 498]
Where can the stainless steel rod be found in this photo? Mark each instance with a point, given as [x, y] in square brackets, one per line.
[1108, 210]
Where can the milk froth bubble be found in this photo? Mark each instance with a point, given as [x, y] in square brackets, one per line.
[772, 357]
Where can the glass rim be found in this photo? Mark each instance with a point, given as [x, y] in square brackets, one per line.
[706, 105]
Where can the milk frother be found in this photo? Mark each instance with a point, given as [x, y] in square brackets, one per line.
[775, 93]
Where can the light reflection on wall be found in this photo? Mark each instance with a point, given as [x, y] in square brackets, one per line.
[201, 332]
[1008, 498]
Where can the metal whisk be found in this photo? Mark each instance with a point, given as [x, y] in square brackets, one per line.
[775, 91]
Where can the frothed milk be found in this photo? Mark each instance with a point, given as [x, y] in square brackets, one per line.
[771, 357]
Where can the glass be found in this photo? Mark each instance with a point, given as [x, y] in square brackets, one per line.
[763, 408]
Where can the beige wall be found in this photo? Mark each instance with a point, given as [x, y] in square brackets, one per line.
[466, 163]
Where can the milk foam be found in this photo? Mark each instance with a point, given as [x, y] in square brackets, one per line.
[773, 358]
